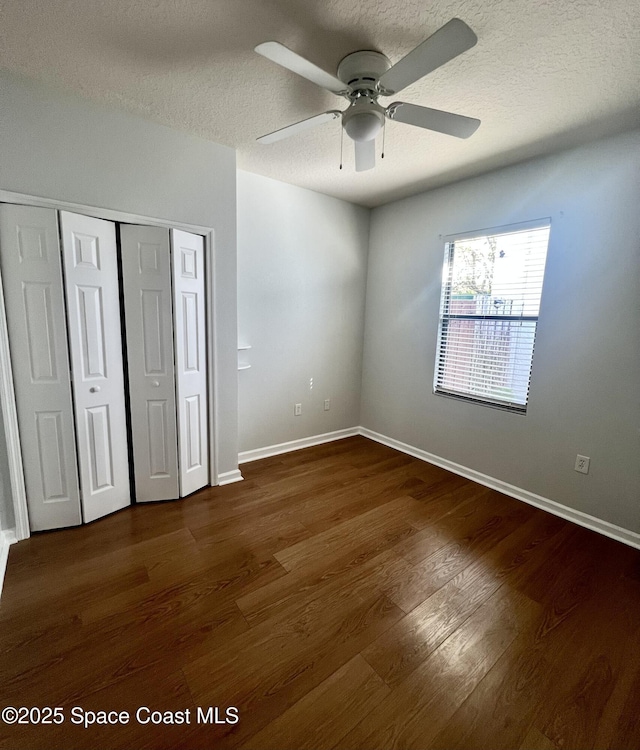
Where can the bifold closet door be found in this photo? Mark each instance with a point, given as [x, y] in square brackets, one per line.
[36, 319]
[93, 312]
[163, 273]
[146, 272]
[191, 359]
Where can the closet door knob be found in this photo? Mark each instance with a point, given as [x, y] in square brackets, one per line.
[94, 389]
[155, 383]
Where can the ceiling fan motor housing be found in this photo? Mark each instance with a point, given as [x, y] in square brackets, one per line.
[361, 70]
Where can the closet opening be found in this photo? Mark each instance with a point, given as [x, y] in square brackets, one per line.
[108, 323]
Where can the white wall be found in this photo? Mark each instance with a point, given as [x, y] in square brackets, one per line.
[586, 370]
[57, 146]
[301, 284]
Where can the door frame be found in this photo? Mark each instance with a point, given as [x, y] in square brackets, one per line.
[7, 393]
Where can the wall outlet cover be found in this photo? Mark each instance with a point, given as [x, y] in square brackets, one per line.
[582, 464]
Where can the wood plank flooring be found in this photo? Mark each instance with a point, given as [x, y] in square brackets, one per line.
[344, 596]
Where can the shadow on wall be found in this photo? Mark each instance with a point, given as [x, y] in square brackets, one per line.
[621, 122]
[7, 520]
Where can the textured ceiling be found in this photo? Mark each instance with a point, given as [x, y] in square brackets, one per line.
[544, 75]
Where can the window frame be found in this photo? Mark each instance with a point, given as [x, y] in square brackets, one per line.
[444, 319]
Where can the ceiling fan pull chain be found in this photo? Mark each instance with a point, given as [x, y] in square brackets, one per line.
[363, 77]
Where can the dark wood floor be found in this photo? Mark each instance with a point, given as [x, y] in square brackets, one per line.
[345, 596]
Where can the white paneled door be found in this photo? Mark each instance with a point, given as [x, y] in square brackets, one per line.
[63, 305]
[146, 272]
[93, 312]
[191, 359]
[34, 300]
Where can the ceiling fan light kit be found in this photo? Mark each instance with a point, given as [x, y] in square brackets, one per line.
[365, 75]
[363, 120]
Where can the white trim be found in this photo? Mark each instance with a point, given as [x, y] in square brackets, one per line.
[229, 477]
[11, 432]
[576, 516]
[618, 533]
[7, 538]
[212, 372]
[521, 226]
[110, 214]
[294, 445]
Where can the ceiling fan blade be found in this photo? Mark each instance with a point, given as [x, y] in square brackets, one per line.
[433, 119]
[298, 127]
[365, 155]
[454, 38]
[291, 60]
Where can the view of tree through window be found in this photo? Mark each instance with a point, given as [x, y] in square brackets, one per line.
[491, 294]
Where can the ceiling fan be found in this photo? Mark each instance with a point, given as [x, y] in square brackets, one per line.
[364, 76]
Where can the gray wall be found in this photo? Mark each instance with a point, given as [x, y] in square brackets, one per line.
[585, 381]
[6, 503]
[57, 146]
[303, 262]
[301, 284]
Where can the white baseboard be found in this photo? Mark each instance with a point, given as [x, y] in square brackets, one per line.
[7, 538]
[618, 533]
[582, 519]
[295, 445]
[228, 477]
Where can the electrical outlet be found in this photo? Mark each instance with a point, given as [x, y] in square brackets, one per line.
[582, 464]
[297, 410]
[327, 404]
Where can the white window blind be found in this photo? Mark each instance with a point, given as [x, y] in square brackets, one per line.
[492, 284]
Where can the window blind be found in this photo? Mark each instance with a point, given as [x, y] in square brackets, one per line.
[491, 290]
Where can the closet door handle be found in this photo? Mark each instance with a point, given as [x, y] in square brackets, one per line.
[94, 389]
[155, 383]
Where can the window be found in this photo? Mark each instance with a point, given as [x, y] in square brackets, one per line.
[491, 289]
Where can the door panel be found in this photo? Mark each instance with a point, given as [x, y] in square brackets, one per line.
[40, 336]
[146, 265]
[100, 448]
[160, 464]
[194, 446]
[191, 358]
[91, 277]
[34, 299]
[89, 310]
[49, 426]
[190, 332]
[153, 302]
